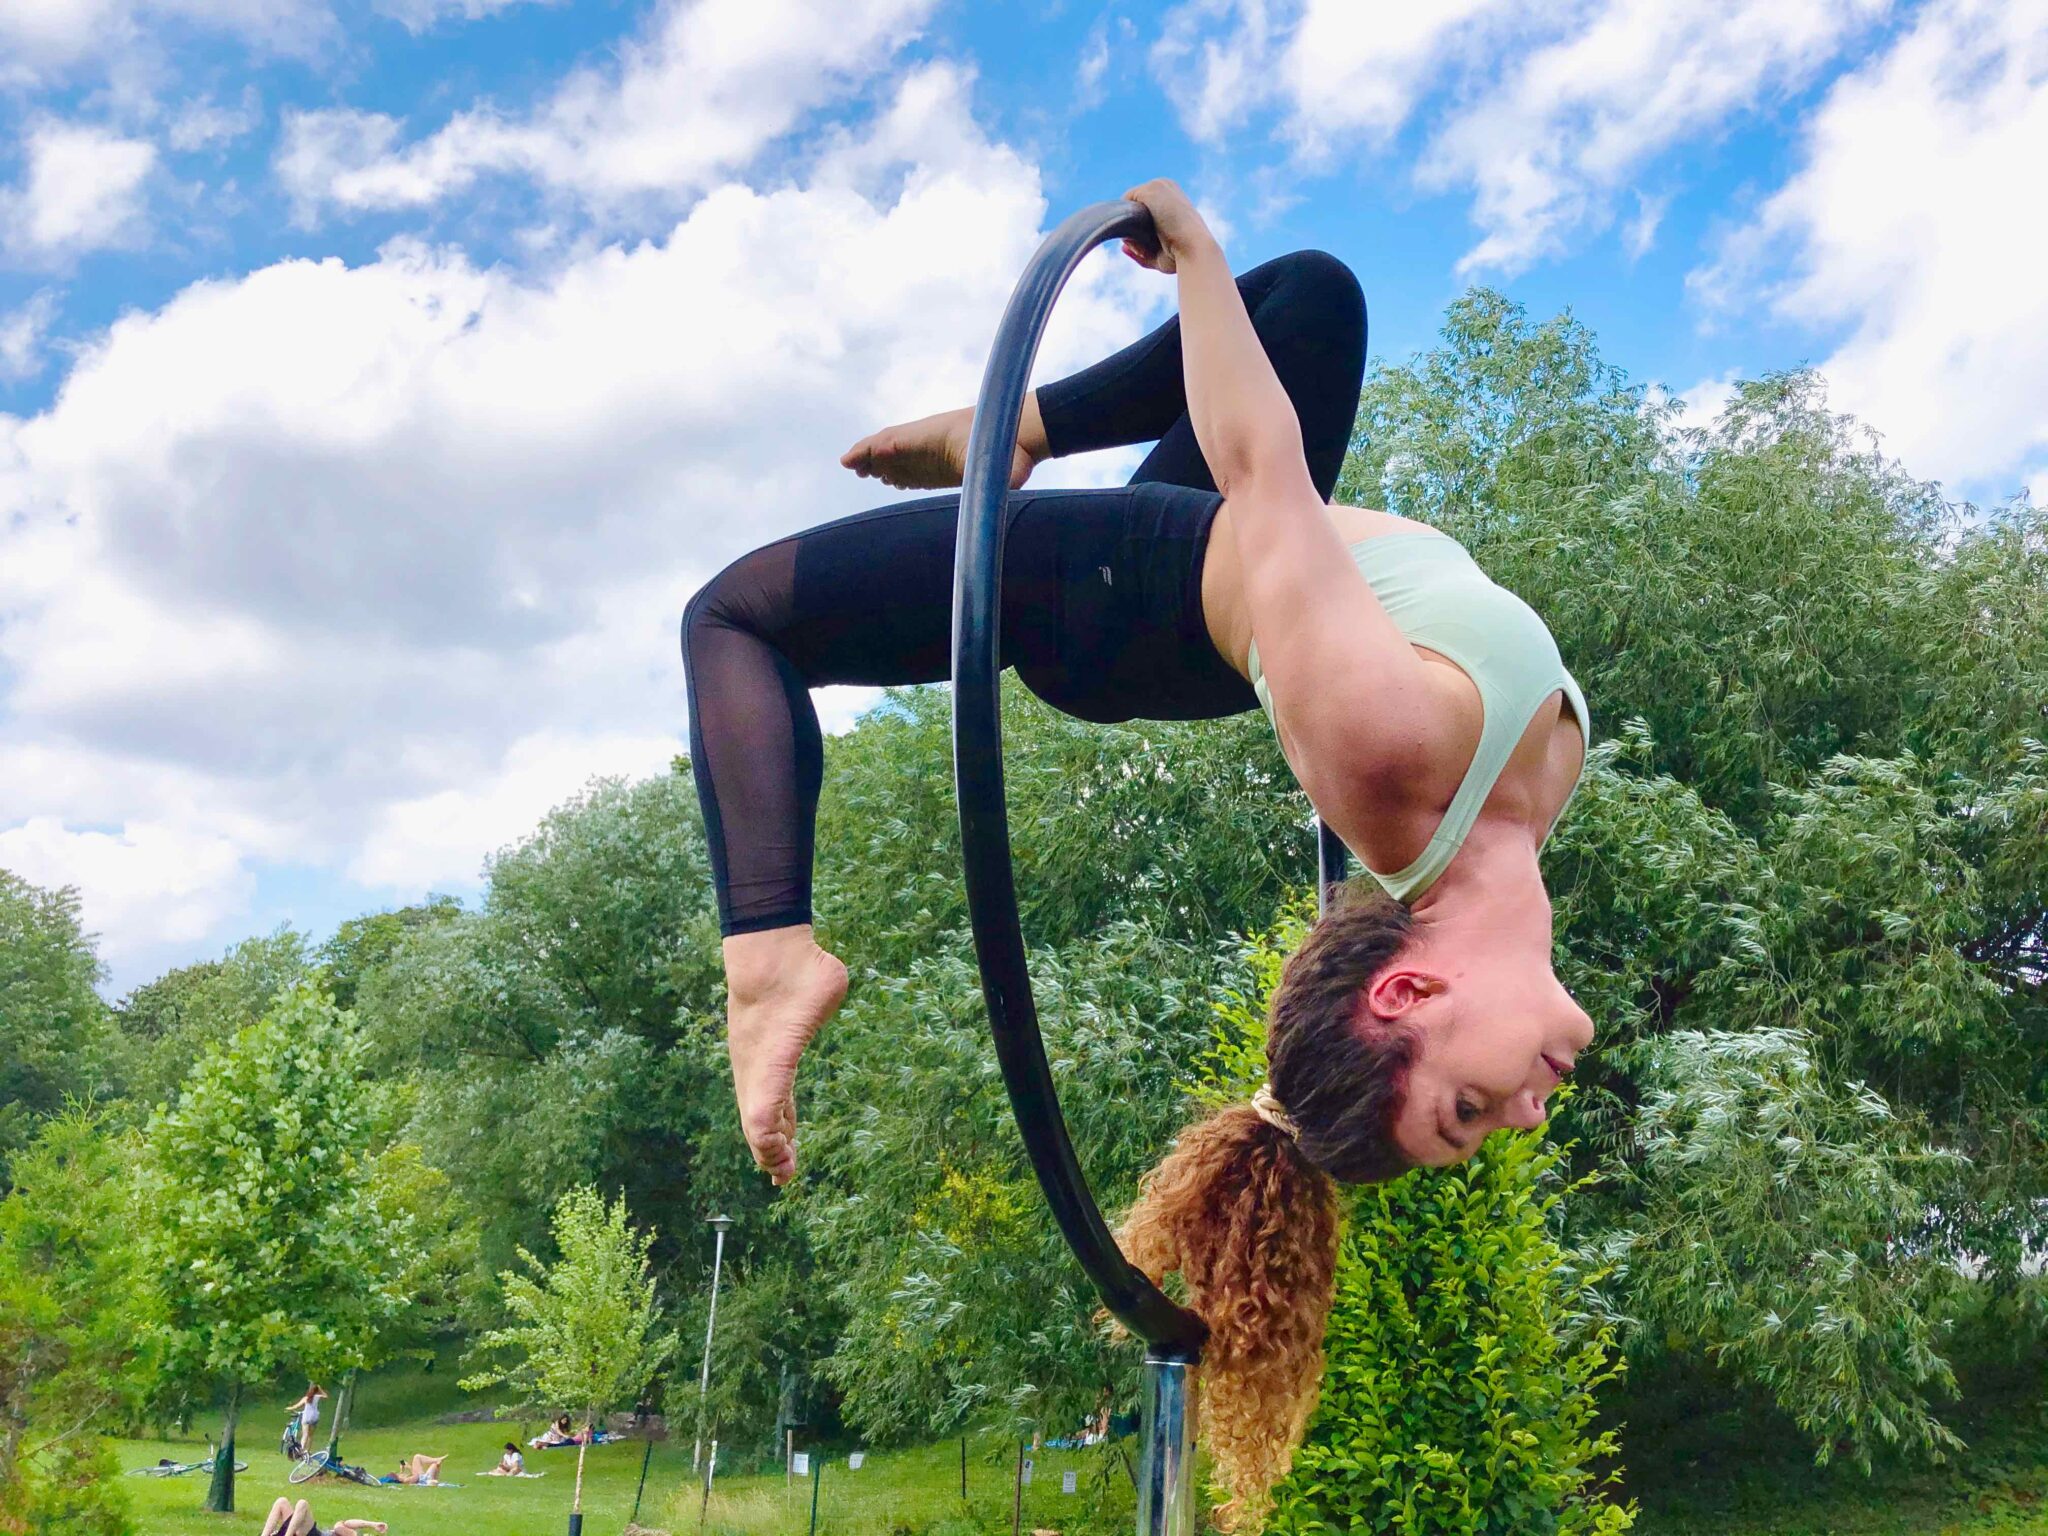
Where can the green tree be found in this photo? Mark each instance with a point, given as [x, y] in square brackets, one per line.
[68, 1363]
[54, 1038]
[578, 1002]
[361, 946]
[962, 1305]
[1817, 815]
[169, 1023]
[587, 1329]
[268, 1238]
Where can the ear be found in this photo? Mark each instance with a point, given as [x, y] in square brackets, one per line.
[1398, 990]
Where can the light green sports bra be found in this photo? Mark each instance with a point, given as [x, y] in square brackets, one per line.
[1439, 598]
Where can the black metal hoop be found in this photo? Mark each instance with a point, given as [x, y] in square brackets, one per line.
[1134, 1300]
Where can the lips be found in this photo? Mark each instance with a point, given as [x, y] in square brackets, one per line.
[1561, 1069]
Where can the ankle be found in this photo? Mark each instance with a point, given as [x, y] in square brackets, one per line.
[758, 965]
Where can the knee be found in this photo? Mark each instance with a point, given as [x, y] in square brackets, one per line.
[743, 596]
[706, 610]
[1326, 276]
[694, 613]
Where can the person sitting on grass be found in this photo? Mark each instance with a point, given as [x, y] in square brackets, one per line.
[511, 1464]
[289, 1519]
[557, 1433]
[419, 1469]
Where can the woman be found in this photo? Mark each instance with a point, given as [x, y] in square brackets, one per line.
[557, 1433]
[511, 1464]
[308, 1410]
[1424, 710]
[419, 1469]
[288, 1519]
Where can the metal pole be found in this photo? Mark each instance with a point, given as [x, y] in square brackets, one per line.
[817, 1476]
[710, 1471]
[963, 1469]
[1333, 860]
[634, 1518]
[1017, 1496]
[719, 1224]
[1166, 1484]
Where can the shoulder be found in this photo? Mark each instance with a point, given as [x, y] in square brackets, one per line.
[1395, 798]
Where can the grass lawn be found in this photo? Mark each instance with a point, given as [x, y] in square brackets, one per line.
[1696, 1476]
[918, 1491]
[481, 1506]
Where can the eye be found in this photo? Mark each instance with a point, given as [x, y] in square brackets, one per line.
[1467, 1110]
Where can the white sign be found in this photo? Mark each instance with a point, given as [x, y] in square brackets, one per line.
[1066, 1482]
[853, 1461]
[1027, 1471]
[803, 1463]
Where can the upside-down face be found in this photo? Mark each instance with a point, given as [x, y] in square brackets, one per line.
[1496, 1039]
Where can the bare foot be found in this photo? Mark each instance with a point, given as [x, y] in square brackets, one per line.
[780, 989]
[929, 454]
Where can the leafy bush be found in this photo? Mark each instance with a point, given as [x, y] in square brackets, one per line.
[1463, 1364]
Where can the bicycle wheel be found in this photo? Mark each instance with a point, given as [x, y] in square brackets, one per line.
[166, 1469]
[308, 1467]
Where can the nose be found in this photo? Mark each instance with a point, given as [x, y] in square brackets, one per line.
[1526, 1110]
[1578, 1026]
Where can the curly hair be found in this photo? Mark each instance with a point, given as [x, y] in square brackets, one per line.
[1245, 1204]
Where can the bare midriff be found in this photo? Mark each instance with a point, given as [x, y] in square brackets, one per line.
[1544, 768]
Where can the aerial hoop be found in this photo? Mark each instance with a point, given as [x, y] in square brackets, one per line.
[1173, 1335]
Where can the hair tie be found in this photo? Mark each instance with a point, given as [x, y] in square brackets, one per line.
[1273, 1112]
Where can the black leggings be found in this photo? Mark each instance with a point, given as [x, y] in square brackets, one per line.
[1102, 610]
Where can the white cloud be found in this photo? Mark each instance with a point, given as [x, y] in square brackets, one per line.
[1579, 116]
[355, 567]
[420, 15]
[21, 337]
[43, 39]
[202, 123]
[1704, 402]
[83, 191]
[1910, 225]
[144, 889]
[1544, 113]
[1640, 232]
[711, 84]
[1091, 71]
[414, 845]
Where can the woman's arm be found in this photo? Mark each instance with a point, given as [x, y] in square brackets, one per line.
[1351, 699]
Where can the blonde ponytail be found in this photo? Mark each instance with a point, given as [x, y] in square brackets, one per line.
[1251, 1225]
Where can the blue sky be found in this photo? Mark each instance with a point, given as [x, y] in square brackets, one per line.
[378, 379]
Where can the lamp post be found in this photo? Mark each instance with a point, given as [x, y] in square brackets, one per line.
[718, 1225]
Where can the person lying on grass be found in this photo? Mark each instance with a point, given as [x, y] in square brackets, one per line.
[289, 1519]
[418, 1468]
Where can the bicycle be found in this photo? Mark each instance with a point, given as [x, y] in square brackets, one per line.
[165, 1467]
[327, 1464]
